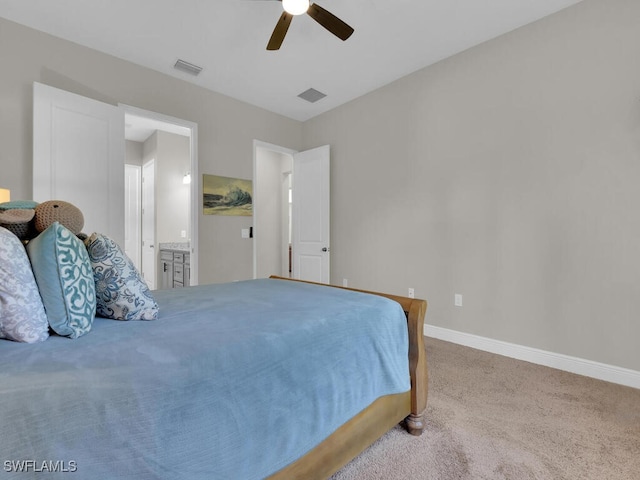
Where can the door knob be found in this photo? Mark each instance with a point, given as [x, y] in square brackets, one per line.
[325, 249]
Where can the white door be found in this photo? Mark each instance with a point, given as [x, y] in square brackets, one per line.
[286, 219]
[149, 223]
[78, 157]
[132, 212]
[311, 215]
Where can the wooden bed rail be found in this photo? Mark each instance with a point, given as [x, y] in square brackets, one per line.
[415, 309]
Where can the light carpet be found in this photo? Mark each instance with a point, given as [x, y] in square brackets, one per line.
[493, 417]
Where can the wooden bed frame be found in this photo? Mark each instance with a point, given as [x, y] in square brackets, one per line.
[361, 431]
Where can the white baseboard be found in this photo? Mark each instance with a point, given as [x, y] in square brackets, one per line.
[601, 371]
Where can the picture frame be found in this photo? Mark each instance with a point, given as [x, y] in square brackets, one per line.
[226, 196]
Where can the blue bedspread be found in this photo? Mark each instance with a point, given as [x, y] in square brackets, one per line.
[233, 381]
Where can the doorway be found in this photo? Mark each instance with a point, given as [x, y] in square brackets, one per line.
[171, 144]
[291, 212]
[272, 206]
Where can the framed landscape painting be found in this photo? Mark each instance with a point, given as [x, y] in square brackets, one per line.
[226, 196]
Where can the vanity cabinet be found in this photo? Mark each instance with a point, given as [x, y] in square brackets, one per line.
[166, 269]
[175, 268]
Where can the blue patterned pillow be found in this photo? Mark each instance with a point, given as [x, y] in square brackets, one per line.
[22, 316]
[121, 292]
[63, 273]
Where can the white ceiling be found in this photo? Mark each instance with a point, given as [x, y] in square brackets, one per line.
[228, 38]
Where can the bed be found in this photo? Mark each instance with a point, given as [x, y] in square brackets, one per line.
[268, 378]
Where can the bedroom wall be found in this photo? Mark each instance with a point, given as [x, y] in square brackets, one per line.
[172, 196]
[133, 152]
[509, 174]
[226, 127]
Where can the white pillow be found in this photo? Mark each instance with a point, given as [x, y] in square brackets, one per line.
[22, 315]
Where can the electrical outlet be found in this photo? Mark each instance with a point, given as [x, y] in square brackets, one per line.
[457, 300]
[345, 282]
[412, 293]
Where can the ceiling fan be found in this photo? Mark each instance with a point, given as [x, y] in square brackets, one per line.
[298, 7]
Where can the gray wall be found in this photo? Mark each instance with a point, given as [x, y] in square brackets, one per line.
[510, 174]
[226, 127]
[133, 152]
[172, 195]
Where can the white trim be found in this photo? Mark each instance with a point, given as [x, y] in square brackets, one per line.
[601, 371]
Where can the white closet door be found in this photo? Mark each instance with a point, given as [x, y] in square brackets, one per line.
[78, 157]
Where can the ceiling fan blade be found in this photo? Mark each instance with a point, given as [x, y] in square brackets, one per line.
[277, 37]
[329, 21]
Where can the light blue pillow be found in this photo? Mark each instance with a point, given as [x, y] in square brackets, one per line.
[63, 273]
[121, 292]
[22, 316]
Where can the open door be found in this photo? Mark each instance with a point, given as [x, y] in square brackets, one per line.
[149, 258]
[132, 213]
[78, 157]
[311, 251]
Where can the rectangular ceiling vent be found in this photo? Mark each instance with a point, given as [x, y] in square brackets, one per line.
[312, 95]
[187, 67]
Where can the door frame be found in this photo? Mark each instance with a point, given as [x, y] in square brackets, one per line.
[256, 204]
[195, 186]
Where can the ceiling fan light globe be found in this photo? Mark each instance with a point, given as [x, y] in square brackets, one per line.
[295, 7]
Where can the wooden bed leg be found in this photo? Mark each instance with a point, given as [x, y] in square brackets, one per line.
[417, 367]
[414, 424]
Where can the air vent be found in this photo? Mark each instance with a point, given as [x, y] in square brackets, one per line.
[187, 67]
[312, 95]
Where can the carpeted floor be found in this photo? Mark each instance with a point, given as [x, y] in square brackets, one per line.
[492, 417]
